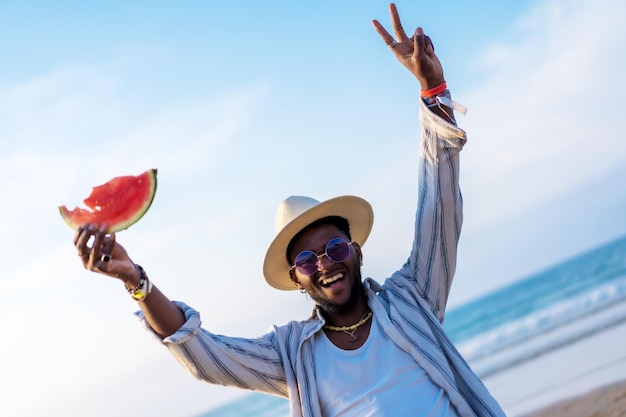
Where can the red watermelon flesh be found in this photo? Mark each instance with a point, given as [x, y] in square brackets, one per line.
[119, 203]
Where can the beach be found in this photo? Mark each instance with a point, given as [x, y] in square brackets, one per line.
[584, 378]
[606, 401]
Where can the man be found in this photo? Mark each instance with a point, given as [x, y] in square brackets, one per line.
[368, 350]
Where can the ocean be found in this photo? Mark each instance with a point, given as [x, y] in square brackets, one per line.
[554, 334]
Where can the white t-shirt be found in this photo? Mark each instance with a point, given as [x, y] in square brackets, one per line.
[378, 380]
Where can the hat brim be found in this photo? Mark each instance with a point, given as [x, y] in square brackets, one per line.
[355, 210]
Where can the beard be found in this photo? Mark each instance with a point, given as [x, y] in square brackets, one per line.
[356, 292]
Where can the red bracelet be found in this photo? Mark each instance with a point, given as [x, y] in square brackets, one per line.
[434, 91]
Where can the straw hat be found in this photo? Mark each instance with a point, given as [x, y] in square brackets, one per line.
[297, 212]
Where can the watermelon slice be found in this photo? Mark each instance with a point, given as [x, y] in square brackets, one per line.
[119, 203]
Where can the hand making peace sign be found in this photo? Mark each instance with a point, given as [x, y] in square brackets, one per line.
[416, 53]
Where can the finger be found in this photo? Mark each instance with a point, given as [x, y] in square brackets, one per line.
[104, 229]
[95, 256]
[108, 245]
[418, 43]
[397, 25]
[83, 234]
[79, 231]
[387, 38]
[430, 46]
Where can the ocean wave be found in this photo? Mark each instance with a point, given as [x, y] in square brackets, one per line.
[571, 313]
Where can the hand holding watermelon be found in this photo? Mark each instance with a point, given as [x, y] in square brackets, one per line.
[104, 255]
[108, 257]
[111, 207]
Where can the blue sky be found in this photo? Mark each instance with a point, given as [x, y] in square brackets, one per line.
[240, 104]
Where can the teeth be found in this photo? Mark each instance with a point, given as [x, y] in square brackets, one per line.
[332, 279]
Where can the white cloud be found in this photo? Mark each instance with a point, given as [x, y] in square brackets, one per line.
[545, 118]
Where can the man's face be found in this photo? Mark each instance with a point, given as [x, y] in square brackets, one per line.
[334, 287]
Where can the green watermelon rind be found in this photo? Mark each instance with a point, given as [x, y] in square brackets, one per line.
[114, 228]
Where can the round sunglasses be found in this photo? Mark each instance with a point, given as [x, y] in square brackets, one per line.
[337, 250]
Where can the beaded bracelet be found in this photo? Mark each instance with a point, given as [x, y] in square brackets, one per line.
[143, 288]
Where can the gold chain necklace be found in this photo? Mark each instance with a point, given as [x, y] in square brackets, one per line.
[350, 330]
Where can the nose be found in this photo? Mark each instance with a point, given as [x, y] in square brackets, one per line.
[323, 263]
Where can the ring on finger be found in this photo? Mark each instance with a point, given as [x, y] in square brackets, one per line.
[105, 257]
[392, 44]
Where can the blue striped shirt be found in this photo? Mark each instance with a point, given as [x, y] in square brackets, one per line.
[409, 306]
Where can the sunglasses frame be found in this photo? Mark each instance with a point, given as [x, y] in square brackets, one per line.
[321, 255]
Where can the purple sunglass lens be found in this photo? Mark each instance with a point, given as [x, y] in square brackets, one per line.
[306, 262]
[337, 250]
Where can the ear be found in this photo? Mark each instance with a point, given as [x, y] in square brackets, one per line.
[359, 253]
[294, 279]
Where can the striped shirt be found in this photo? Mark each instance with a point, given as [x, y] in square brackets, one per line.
[409, 306]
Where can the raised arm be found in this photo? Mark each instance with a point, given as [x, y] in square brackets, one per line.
[432, 262]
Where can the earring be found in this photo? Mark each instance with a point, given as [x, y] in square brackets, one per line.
[306, 294]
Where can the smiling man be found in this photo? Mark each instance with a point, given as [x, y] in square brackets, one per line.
[368, 349]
